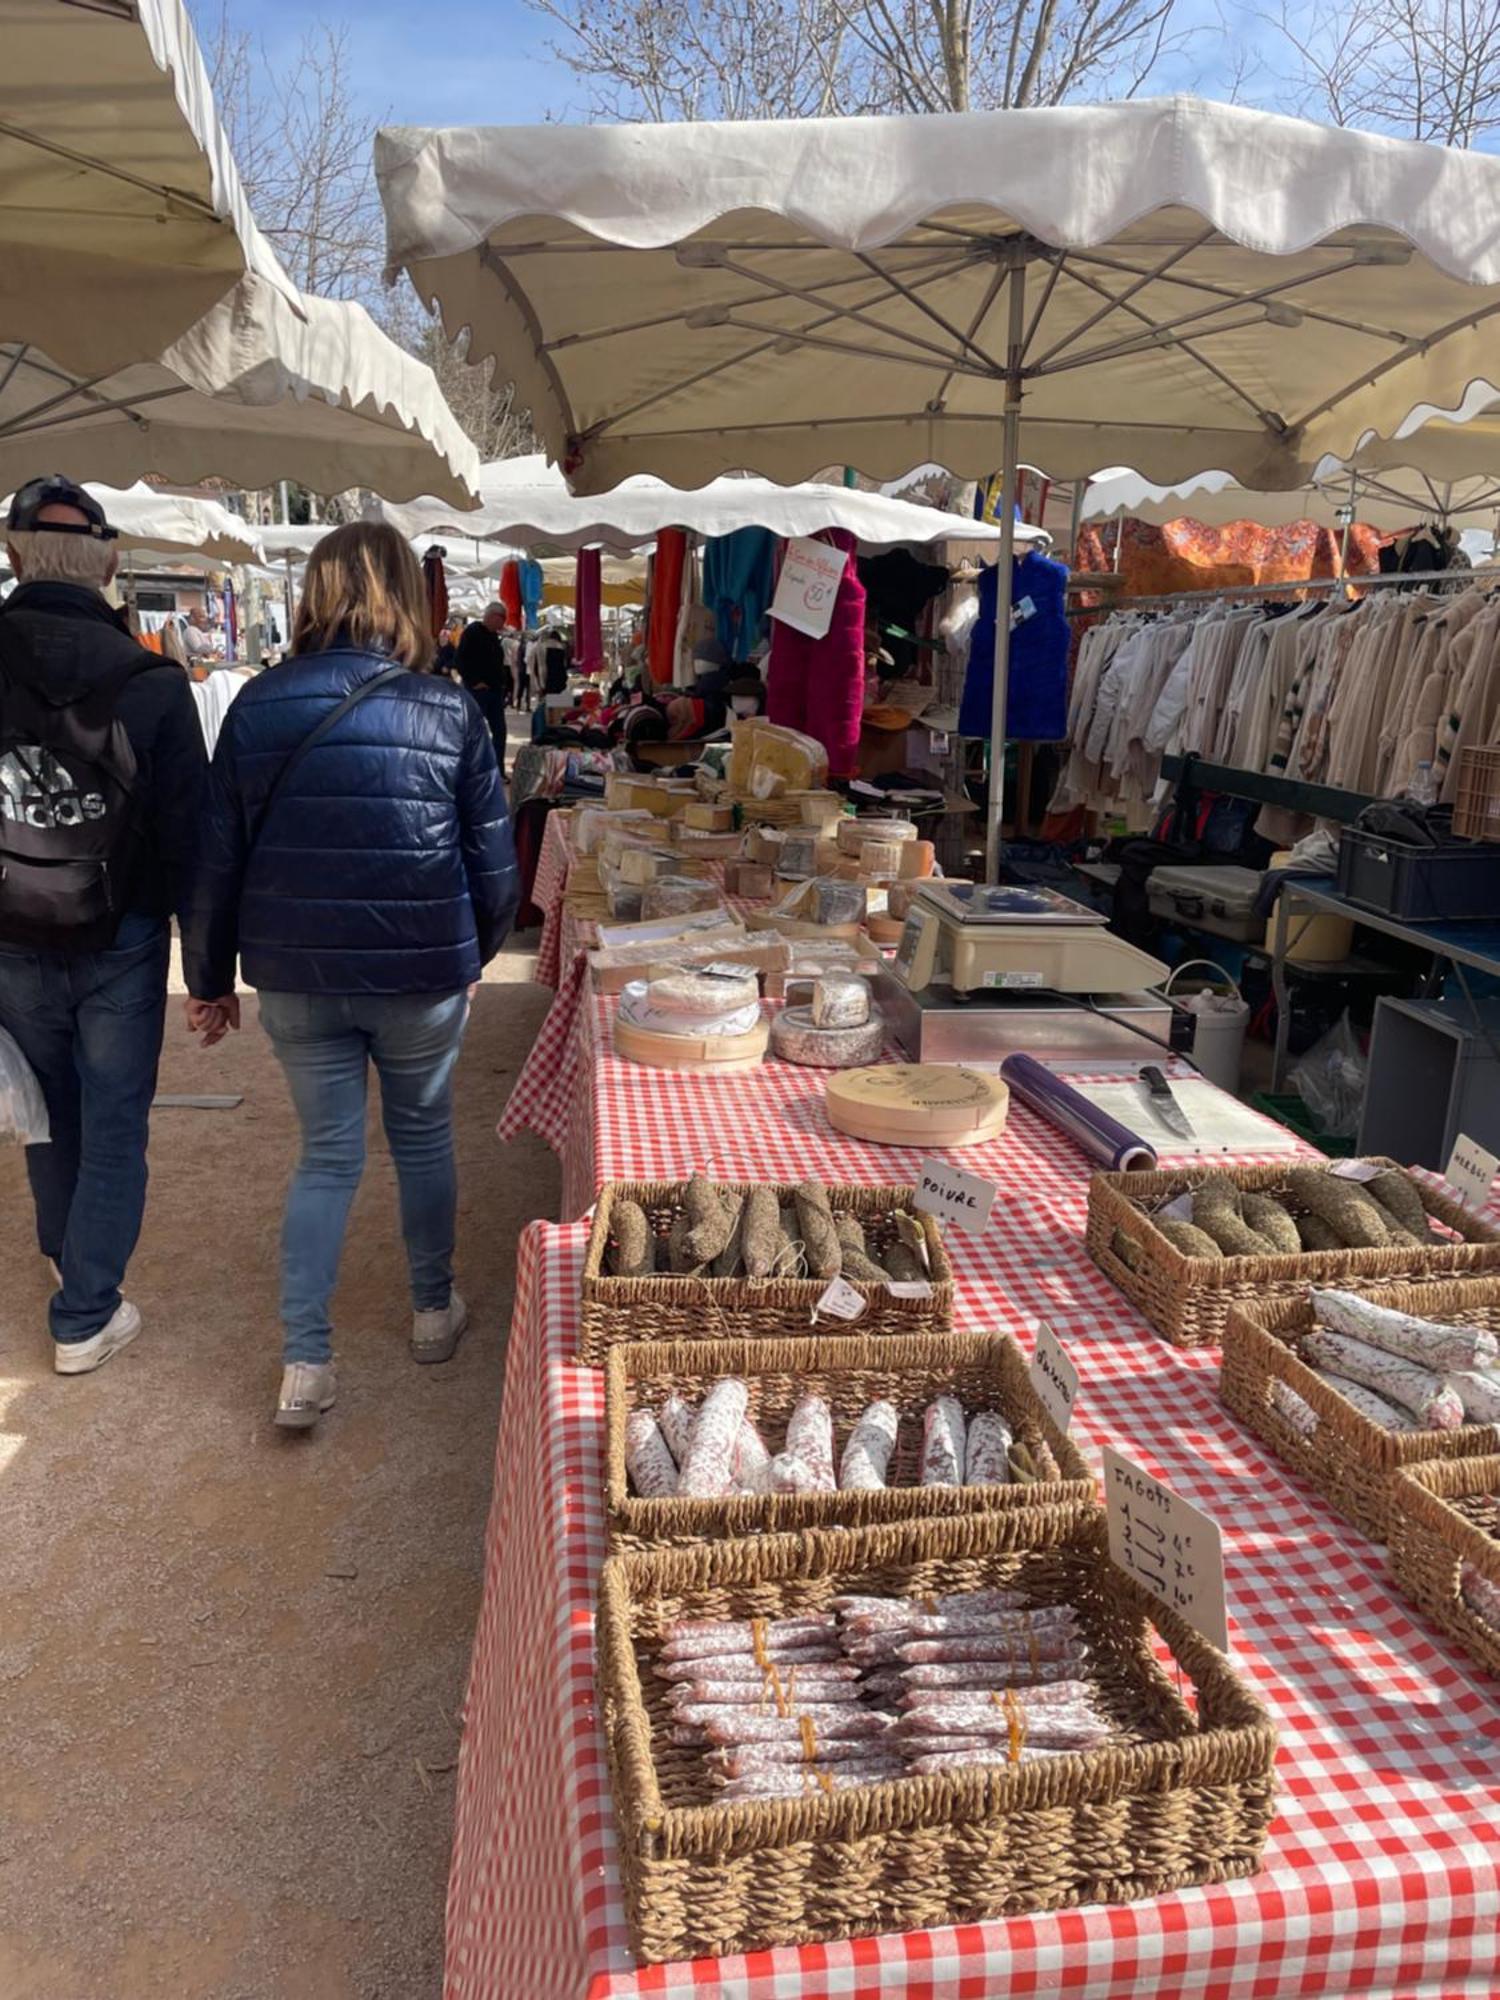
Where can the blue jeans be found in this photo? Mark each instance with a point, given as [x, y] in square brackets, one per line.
[90, 1025]
[326, 1043]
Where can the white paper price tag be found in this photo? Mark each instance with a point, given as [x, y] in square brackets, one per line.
[1054, 1377]
[1179, 1208]
[1171, 1548]
[908, 1288]
[841, 1301]
[1471, 1171]
[956, 1196]
[1355, 1170]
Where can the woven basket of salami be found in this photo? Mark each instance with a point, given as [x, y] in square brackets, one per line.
[705, 1260]
[1187, 1246]
[1445, 1549]
[741, 1437]
[841, 1732]
[1351, 1390]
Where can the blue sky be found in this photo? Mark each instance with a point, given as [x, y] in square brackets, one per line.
[479, 62]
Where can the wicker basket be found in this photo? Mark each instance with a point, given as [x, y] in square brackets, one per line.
[1352, 1461]
[1437, 1532]
[663, 1307]
[1188, 1298]
[984, 1371]
[1476, 808]
[1174, 1799]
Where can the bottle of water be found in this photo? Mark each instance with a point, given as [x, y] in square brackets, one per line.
[1422, 790]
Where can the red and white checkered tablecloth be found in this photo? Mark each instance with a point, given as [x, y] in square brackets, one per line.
[1382, 1874]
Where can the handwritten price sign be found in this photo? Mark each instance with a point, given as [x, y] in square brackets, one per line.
[1171, 1548]
[1054, 1378]
[808, 586]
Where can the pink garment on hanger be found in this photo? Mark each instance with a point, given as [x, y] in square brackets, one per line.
[588, 632]
[818, 685]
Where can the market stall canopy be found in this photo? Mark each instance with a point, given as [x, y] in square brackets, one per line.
[526, 501]
[177, 524]
[1387, 500]
[122, 217]
[1171, 284]
[254, 392]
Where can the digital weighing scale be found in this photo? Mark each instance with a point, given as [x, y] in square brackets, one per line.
[983, 972]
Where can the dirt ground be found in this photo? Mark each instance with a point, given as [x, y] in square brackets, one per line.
[231, 1659]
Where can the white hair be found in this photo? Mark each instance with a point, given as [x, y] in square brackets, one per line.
[41, 557]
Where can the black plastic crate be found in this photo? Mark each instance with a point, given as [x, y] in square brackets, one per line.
[1456, 883]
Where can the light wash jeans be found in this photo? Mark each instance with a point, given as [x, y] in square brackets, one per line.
[326, 1042]
[90, 1025]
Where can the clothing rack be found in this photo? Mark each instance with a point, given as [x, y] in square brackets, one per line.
[1227, 593]
[1192, 773]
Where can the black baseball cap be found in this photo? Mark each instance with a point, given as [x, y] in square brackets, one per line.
[54, 490]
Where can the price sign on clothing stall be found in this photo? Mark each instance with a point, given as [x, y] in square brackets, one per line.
[808, 587]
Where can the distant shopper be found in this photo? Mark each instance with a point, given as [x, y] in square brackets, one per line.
[101, 770]
[357, 861]
[484, 671]
[197, 638]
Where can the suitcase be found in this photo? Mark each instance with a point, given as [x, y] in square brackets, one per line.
[1219, 900]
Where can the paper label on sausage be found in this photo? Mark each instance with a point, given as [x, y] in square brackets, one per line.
[908, 1288]
[1053, 1377]
[841, 1301]
[1171, 1548]
[1355, 1170]
[961, 1198]
[1470, 1171]
[1179, 1208]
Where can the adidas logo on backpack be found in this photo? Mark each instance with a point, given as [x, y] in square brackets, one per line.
[67, 779]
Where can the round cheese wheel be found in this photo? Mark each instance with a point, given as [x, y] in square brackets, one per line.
[706, 994]
[796, 1037]
[918, 1104]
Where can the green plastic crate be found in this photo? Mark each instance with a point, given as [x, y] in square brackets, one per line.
[1287, 1108]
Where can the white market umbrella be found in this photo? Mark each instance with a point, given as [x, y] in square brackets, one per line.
[1169, 284]
[177, 525]
[255, 392]
[122, 217]
[526, 501]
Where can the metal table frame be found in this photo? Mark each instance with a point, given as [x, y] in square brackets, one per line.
[1476, 945]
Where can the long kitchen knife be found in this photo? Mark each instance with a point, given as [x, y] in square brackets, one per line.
[1165, 1106]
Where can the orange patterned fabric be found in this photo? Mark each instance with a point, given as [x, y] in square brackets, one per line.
[1186, 555]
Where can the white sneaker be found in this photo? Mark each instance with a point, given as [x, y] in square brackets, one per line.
[82, 1357]
[435, 1335]
[307, 1390]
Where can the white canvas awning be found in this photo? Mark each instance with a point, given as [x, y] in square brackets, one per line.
[254, 393]
[1386, 501]
[177, 525]
[526, 501]
[1194, 285]
[1169, 285]
[122, 217]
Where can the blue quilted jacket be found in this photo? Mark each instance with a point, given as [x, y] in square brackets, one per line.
[386, 865]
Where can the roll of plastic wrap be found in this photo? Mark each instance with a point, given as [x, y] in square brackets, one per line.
[1103, 1138]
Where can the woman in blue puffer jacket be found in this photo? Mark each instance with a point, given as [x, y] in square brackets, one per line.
[356, 859]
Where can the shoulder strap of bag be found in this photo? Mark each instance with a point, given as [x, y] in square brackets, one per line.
[314, 736]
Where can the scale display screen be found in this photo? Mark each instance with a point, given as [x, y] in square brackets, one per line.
[1009, 903]
[911, 937]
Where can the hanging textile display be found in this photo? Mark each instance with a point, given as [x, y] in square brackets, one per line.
[510, 594]
[436, 579]
[588, 636]
[1037, 690]
[533, 581]
[818, 685]
[739, 575]
[666, 603]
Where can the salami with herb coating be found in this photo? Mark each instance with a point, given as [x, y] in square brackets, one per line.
[1427, 1396]
[943, 1443]
[867, 1452]
[809, 1436]
[652, 1468]
[708, 1469]
[987, 1450]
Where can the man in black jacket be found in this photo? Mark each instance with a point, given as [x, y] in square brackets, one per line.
[89, 1022]
[485, 672]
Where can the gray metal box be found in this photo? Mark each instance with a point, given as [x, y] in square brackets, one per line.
[1434, 1073]
[933, 1027]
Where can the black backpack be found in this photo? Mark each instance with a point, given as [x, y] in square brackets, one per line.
[67, 807]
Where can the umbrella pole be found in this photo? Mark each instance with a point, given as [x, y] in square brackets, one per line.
[1005, 560]
[1348, 525]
